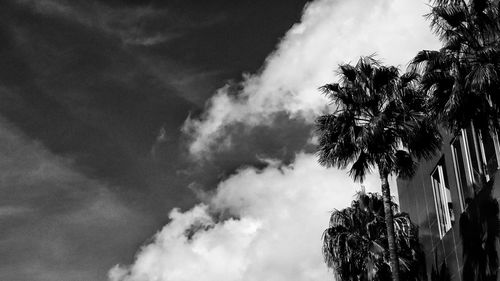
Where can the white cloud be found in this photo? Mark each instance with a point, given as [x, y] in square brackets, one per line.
[278, 215]
[330, 33]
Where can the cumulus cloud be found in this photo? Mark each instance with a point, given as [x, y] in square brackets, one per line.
[330, 33]
[276, 217]
[266, 224]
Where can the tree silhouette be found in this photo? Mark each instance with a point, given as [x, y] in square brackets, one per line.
[355, 244]
[462, 79]
[380, 121]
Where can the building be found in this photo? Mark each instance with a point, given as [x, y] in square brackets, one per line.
[441, 189]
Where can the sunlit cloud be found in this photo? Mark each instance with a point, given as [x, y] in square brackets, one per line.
[259, 225]
[266, 224]
[330, 33]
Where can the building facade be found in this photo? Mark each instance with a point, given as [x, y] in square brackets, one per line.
[442, 188]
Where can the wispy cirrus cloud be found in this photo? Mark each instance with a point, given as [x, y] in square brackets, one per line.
[136, 25]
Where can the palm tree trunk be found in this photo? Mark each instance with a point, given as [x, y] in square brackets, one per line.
[389, 222]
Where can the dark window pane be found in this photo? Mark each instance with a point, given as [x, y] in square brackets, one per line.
[490, 153]
[474, 156]
[460, 169]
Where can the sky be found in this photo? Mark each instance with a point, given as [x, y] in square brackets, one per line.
[174, 140]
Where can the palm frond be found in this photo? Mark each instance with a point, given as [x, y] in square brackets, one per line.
[468, 63]
[424, 140]
[384, 76]
[405, 164]
[424, 60]
[482, 77]
[408, 78]
[361, 167]
[347, 73]
[452, 15]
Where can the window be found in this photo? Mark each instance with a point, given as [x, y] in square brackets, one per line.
[475, 153]
[471, 143]
[461, 169]
[489, 152]
[442, 198]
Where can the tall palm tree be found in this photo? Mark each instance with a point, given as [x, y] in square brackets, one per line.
[380, 121]
[463, 77]
[355, 244]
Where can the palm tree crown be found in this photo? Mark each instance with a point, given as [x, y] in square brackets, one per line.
[355, 243]
[380, 121]
[463, 77]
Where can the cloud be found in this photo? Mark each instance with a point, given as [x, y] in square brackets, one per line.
[10, 211]
[266, 224]
[78, 91]
[330, 32]
[259, 225]
[136, 25]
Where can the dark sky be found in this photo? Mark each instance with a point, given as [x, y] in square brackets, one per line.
[92, 98]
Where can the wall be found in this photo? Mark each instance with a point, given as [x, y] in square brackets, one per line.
[416, 198]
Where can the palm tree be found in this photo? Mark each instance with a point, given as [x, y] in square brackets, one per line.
[463, 77]
[355, 244]
[380, 121]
